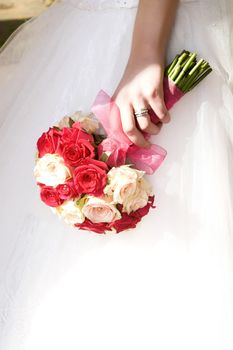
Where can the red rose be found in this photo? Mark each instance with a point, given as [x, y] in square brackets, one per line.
[87, 161]
[131, 220]
[95, 227]
[126, 222]
[118, 152]
[90, 177]
[77, 125]
[74, 135]
[72, 151]
[50, 196]
[49, 142]
[66, 191]
[139, 213]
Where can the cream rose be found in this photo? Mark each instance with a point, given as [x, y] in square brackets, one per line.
[87, 121]
[100, 210]
[128, 187]
[138, 200]
[64, 123]
[50, 170]
[122, 182]
[89, 124]
[70, 212]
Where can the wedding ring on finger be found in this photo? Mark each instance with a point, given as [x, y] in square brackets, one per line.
[143, 112]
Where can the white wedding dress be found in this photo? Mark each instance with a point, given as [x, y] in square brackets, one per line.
[168, 284]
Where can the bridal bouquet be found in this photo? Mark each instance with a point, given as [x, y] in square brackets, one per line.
[77, 181]
[97, 183]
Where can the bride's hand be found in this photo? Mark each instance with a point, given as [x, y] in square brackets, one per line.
[142, 83]
[141, 87]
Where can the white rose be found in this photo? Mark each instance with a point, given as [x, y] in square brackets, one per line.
[50, 170]
[77, 115]
[87, 121]
[138, 200]
[89, 124]
[100, 210]
[70, 212]
[128, 187]
[64, 122]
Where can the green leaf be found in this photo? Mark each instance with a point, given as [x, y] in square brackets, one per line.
[56, 128]
[98, 139]
[82, 201]
[71, 122]
[104, 157]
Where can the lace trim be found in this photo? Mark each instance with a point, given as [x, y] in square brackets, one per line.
[93, 5]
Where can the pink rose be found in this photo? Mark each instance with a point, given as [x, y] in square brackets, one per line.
[100, 209]
[115, 150]
[126, 222]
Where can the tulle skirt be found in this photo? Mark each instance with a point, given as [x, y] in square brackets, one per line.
[167, 284]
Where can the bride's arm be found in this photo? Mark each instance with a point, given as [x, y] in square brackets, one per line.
[142, 83]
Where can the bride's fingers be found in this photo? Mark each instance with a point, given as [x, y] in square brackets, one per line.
[158, 106]
[143, 122]
[130, 128]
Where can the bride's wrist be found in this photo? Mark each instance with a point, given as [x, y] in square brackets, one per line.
[148, 51]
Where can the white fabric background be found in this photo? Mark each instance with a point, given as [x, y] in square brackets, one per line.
[167, 284]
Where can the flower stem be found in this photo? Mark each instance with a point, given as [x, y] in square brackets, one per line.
[172, 65]
[200, 78]
[186, 72]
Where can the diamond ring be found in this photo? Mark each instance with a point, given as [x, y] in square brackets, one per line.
[143, 112]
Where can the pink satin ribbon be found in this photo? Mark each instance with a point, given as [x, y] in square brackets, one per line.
[147, 159]
[172, 94]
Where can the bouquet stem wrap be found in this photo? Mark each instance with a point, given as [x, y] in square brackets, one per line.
[172, 94]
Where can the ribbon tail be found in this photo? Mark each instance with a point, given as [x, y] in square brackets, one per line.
[108, 114]
[102, 110]
[147, 159]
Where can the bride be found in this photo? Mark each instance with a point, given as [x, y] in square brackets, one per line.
[169, 283]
